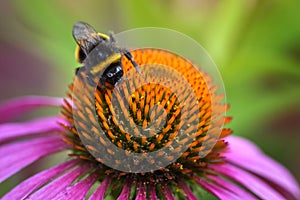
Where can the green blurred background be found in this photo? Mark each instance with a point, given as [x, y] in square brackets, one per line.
[255, 44]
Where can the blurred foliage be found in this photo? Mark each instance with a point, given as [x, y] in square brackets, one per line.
[255, 44]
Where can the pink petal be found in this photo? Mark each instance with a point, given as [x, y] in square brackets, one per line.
[152, 192]
[38, 180]
[240, 192]
[188, 193]
[168, 193]
[252, 159]
[250, 181]
[79, 190]
[16, 107]
[218, 191]
[52, 189]
[15, 156]
[100, 192]
[10, 131]
[125, 191]
[141, 195]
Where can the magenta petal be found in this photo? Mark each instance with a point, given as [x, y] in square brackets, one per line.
[79, 190]
[125, 191]
[218, 191]
[168, 193]
[16, 107]
[100, 192]
[15, 156]
[141, 195]
[14, 130]
[188, 193]
[250, 181]
[152, 192]
[240, 192]
[252, 159]
[52, 189]
[36, 181]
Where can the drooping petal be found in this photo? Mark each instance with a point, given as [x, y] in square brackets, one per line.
[125, 193]
[79, 190]
[188, 193]
[10, 131]
[240, 192]
[100, 191]
[167, 193]
[16, 156]
[141, 195]
[152, 192]
[250, 181]
[245, 154]
[52, 189]
[16, 107]
[218, 191]
[38, 180]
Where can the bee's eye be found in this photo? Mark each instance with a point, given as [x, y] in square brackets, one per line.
[79, 54]
[109, 75]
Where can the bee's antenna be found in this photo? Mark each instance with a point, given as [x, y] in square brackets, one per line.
[130, 58]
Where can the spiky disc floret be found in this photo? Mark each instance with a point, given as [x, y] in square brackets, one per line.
[174, 101]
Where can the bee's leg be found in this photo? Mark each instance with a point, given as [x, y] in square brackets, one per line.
[90, 81]
[102, 81]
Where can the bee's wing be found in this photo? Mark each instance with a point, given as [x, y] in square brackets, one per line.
[85, 36]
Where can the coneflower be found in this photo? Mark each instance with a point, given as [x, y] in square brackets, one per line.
[155, 132]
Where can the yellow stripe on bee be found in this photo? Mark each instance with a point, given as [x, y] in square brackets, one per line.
[77, 54]
[111, 59]
[106, 37]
